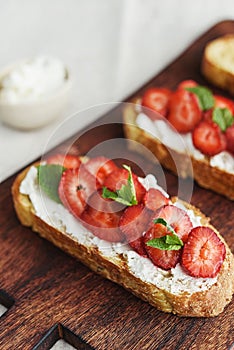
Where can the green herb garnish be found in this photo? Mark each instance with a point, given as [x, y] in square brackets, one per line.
[49, 176]
[126, 194]
[205, 96]
[167, 242]
[223, 117]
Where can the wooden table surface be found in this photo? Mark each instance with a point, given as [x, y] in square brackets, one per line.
[50, 295]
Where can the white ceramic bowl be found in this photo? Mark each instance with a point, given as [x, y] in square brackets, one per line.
[28, 115]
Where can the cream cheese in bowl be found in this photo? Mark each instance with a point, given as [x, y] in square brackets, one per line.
[34, 92]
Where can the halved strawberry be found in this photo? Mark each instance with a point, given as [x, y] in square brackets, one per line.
[156, 99]
[208, 138]
[224, 102]
[154, 199]
[75, 186]
[134, 221]
[100, 167]
[229, 133]
[184, 111]
[204, 253]
[101, 216]
[179, 220]
[187, 84]
[67, 160]
[119, 177]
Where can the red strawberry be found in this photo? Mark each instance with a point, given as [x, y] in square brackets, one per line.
[224, 102]
[139, 246]
[165, 259]
[100, 167]
[154, 199]
[101, 216]
[187, 84]
[229, 133]
[177, 218]
[208, 138]
[67, 160]
[76, 185]
[180, 222]
[208, 115]
[119, 177]
[184, 111]
[133, 223]
[204, 253]
[156, 99]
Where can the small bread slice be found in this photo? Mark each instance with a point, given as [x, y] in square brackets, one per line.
[179, 163]
[206, 303]
[218, 62]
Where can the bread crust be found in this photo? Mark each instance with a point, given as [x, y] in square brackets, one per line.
[213, 66]
[205, 175]
[200, 304]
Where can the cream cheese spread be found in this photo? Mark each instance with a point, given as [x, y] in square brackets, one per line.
[176, 281]
[33, 79]
[182, 142]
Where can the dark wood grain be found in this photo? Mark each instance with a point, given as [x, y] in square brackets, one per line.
[50, 295]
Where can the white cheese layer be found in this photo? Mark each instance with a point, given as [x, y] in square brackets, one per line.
[175, 281]
[182, 142]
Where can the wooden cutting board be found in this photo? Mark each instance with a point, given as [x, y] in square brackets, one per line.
[50, 295]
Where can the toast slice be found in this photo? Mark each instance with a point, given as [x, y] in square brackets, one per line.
[202, 302]
[218, 62]
[179, 162]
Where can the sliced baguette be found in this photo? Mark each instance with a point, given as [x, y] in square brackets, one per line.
[178, 162]
[218, 62]
[199, 304]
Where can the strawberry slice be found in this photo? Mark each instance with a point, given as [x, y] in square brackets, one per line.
[100, 167]
[208, 138]
[187, 84]
[229, 133]
[179, 220]
[75, 186]
[154, 199]
[165, 259]
[67, 160]
[119, 177]
[204, 253]
[101, 216]
[139, 246]
[133, 223]
[224, 102]
[184, 111]
[156, 99]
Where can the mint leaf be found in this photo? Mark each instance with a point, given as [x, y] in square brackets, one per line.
[130, 188]
[162, 243]
[164, 223]
[109, 194]
[167, 242]
[223, 117]
[173, 239]
[114, 195]
[126, 194]
[205, 96]
[49, 176]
